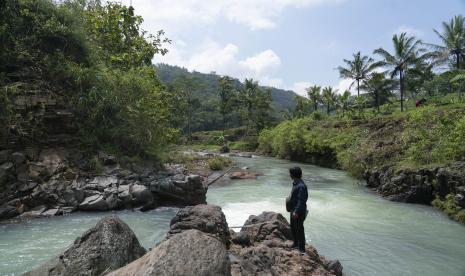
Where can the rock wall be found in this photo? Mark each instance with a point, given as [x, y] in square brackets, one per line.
[46, 182]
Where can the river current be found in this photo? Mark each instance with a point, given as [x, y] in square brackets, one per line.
[369, 235]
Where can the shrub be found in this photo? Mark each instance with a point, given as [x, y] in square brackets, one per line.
[218, 163]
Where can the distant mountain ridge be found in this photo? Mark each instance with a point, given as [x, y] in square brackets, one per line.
[282, 99]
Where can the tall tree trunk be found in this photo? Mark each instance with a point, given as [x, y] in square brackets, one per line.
[315, 106]
[458, 60]
[377, 101]
[327, 110]
[358, 88]
[401, 90]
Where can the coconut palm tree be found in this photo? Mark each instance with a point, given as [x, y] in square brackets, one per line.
[329, 97]
[453, 41]
[407, 53]
[357, 69]
[344, 101]
[380, 88]
[314, 95]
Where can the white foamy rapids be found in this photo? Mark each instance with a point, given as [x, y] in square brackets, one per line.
[237, 213]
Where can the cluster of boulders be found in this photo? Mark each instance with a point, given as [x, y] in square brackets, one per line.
[198, 243]
[419, 185]
[48, 182]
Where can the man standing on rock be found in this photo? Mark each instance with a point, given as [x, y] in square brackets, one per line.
[297, 206]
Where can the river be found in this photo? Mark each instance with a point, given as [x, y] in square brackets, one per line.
[369, 235]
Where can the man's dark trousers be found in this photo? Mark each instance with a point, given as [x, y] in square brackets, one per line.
[297, 229]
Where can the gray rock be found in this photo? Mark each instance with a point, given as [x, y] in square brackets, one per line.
[270, 252]
[7, 212]
[266, 226]
[188, 192]
[141, 194]
[189, 253]
[4, 155]
[103, 182]
[241, 238]
[94, 203]
[52, 212]
[109, 245]
[18, 158]
[206, 218]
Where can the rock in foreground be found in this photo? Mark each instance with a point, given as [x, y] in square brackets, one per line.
[190, 252]
[206, 218]
[109, 245]
[263, 247]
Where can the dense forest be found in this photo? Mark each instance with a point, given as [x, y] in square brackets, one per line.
[205, 87]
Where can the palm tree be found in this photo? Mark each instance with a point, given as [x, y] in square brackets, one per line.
[379, 87]
[453, 40]
[329, 97]
[344, 101]
[406, 54]
[357, 69]
[314, 95]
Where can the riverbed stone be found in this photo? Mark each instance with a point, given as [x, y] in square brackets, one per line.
[18, 158]
[7, 212]
[141, 194]
[109, 245]
[94, 203]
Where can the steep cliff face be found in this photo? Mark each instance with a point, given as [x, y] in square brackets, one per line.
[42, 117]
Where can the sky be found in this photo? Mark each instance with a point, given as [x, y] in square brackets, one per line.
[289, 44]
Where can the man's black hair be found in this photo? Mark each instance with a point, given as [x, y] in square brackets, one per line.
[296, 172]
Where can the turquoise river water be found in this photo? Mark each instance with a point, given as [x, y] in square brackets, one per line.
[369, 235]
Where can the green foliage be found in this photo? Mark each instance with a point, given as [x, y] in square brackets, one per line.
[435, 136]
[243, 145]
[421, 137]
[255, 104]
[450, 208]
[97, 59]
[218, 163]
[95, 165]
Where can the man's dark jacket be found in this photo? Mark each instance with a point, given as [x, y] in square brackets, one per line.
[299, 197]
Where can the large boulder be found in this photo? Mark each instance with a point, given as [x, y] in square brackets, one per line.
[189, 191]
[263, 247]
[191, 252]
[267, 226]
[109, 245]
[206, 218]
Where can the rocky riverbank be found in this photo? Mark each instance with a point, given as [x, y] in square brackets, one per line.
[198, 243]
[442, 186]
[54, 181]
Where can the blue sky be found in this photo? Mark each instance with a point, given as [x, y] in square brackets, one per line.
[289, 44]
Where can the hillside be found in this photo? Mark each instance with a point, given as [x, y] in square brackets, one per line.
[282, 99]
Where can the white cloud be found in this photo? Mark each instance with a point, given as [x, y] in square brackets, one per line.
[262, 62]
[224, 59]
[254, 14]
[299, 87]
